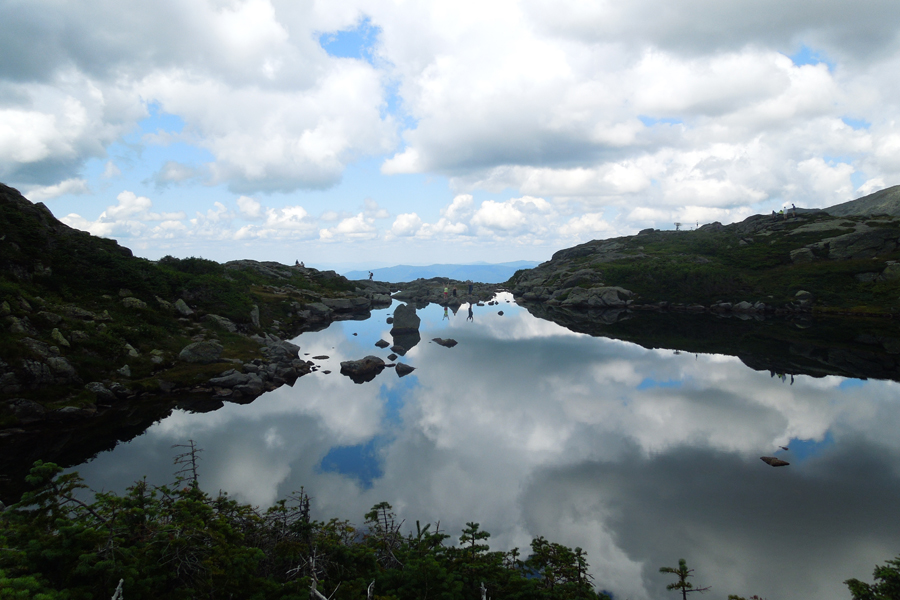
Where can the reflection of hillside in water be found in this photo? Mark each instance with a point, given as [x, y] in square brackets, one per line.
[857, 348]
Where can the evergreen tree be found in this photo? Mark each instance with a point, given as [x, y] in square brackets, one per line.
[682, 584]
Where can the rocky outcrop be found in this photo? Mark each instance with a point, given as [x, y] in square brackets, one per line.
[421, 292]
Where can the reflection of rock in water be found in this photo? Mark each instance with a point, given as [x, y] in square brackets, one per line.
[405, 341]
[775, 462]
[362, 370]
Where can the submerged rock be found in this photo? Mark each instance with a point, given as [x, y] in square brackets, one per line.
[775, 462]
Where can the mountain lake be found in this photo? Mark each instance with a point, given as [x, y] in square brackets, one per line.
[638, 456]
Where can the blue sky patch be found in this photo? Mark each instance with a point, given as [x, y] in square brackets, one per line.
[360, 461]
[651, 121]
[849, 384]
[808, 56]
[801, 450]
[856, 123]
[352, 43]
[649, 383]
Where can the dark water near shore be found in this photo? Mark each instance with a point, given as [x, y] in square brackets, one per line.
[641, 457]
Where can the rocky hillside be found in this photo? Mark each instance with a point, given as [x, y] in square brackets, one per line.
[811, 261]
[884, 202]
[87, 326]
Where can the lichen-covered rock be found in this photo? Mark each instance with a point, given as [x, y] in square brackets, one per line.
[37, 374]
[182, 308]
[164, 304]
[254, 316]
[131, 302]
[103, 393]
[201, 352]
[131, 351]
[802, 255]
[223, 322]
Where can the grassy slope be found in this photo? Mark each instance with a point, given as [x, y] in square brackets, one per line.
[727, 264]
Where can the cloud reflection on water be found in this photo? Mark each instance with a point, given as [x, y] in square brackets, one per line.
[532, 430]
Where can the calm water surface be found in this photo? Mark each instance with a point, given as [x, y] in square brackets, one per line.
[641, 457]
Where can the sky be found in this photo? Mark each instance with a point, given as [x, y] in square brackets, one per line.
[363, 133]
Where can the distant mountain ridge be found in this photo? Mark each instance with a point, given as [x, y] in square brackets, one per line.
[883, 202]
[487, 273]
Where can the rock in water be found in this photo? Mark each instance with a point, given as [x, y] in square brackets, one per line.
[405, 319]
[382, 344]
[448, 343]
[775, 462]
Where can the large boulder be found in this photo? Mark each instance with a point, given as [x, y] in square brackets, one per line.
[202, 353]
[132, 302]
[182, 308]
[363, 370]
[405, 319]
